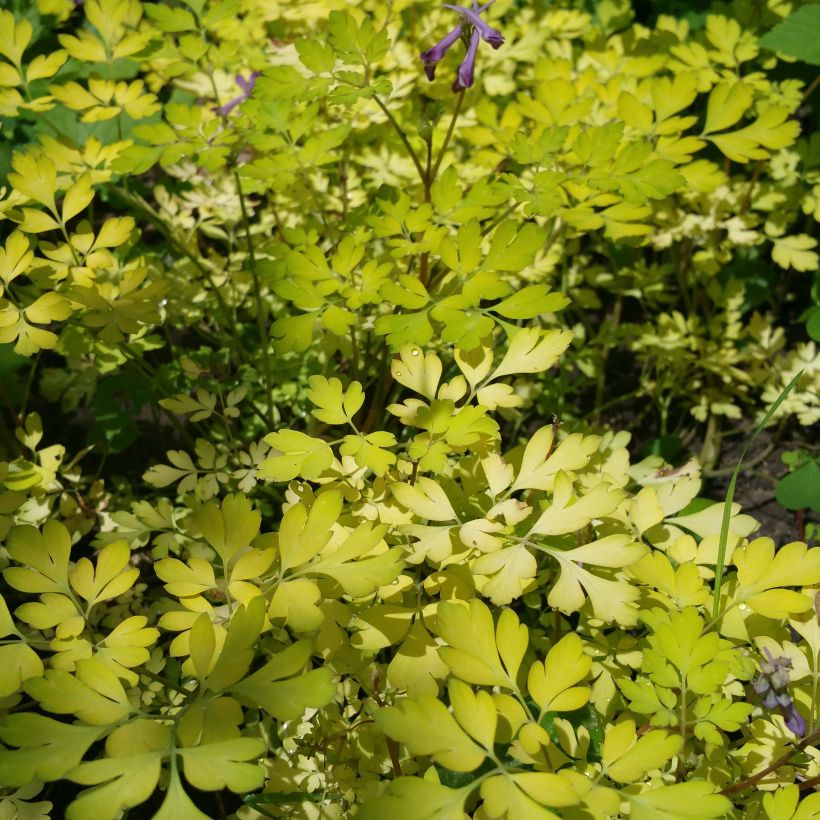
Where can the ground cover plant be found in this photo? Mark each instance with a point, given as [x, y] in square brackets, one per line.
[368, 369]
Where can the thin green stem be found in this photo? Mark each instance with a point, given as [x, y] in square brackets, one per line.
[402, 136]
[447, 137]
[264, 341]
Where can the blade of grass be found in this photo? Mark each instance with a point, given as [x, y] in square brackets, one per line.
[730, 492]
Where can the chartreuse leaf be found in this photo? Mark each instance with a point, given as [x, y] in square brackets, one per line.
[230, 527]
[524, 794]
[47, 748]
[541, 463]
[532, 350]
[727, 103]
[419, 371]
[220, 659]
[224, 765]
[177, 805]
[18, 662]
[295, 454]
[529, 302]
[304, 533]
[410, 798]
[475, 712]
[425, 727]
[472, 643]
[627, 758]
[334, 404]
[280, 689]
[426, 499]
[348, 565]
[44, 557]
[569, 513]
[111, 577]
[130, 771]
[94, 694]
[679, 801]
[762, 572]
[551, 684]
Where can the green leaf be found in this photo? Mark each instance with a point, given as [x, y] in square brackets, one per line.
[298, 455]
[797, 36]
[224, 765]
[47, 749]
[800, 490]
[228, 527]
[680, 801]
[130, 772]
[530, 302]
[335, 405]
[426, 727]
[275, 689]
[411, 798]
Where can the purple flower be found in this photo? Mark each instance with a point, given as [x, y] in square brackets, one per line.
[466, 71]
[477, 29]
[246, 86]
[773, 683]
[435, 54]
[473, 16]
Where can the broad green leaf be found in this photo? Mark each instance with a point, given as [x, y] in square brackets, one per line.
[798, 35]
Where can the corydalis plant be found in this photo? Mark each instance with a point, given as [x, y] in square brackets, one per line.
[472, 30]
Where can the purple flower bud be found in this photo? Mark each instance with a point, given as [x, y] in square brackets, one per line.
[434, 55]
[466, 71]
[487, 32]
